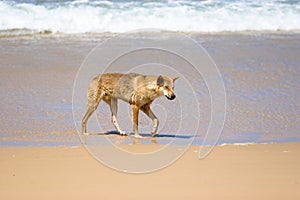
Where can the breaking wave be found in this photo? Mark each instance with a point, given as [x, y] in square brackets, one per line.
[117, 16]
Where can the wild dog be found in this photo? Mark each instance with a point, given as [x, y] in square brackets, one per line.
[136, 89]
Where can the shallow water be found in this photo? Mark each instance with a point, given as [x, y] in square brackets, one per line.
[260, 73]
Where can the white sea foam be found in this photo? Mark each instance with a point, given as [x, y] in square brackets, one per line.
[97, 16]
[239, 144]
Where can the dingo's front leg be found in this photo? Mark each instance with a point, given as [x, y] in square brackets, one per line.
[147, 110]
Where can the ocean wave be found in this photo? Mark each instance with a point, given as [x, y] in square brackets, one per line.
[98, 16]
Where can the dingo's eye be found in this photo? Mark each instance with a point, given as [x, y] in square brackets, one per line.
[167, 87]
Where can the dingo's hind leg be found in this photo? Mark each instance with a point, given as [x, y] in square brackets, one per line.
[135, 119]
[114, 110]
[94, 97]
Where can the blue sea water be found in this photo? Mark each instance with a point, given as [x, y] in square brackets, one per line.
[117, 16]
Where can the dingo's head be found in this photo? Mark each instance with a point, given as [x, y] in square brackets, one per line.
[166, 86]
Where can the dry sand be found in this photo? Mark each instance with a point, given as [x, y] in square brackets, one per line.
[265, 171]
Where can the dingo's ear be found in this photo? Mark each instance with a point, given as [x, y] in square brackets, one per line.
[174, 79]
[160, 81]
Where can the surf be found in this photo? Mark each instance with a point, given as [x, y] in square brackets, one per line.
[97, 16]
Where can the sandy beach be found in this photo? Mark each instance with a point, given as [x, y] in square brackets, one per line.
[266, 171]
[238, 91]
[41, 155]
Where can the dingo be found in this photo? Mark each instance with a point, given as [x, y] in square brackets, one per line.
[136, 89]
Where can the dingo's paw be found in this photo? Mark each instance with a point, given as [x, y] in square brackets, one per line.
[138, 136]
[122, 133]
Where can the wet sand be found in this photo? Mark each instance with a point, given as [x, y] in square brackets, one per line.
[260, 72]
[265, 171]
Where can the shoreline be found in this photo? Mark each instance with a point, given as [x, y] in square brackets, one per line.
[75, 142]
[253, 172]
[27, 33]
